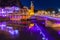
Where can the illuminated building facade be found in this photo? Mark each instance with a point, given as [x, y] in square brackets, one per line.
[24, 13]
[31, 10]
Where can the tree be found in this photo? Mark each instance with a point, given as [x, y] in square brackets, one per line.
[4, 3]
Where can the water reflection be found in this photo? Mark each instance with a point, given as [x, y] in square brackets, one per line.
[16, 34]
[4, 27]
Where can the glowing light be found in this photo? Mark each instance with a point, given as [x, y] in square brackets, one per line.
[24, 17]
[2, 25]
[3, 11]
[31, 25]
[16, 31]
[31, 12]
[41, 32]
[43, 38]
[46, 39]
[4, 15]
[53, 11]
[59, 10]
[52, 18]
[16, 8]
[2, 28]
[59, 32]
[11, 32]
[9, 28]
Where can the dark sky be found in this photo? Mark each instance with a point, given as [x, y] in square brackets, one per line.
[42, 4]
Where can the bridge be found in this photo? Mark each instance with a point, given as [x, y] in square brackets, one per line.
[52, 22]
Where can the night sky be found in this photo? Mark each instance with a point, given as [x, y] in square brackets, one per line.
[42, 4]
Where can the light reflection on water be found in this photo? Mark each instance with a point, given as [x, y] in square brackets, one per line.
[4, 27]
[14, 33]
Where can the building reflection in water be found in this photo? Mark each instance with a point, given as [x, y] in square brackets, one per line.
[4, 27]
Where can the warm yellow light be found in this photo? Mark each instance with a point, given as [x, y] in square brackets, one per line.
[31, 25]
[31, 12]
[46, 13]
[24, 17]
[39, 11]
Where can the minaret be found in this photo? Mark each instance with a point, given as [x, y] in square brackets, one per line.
[32, 6]
[31, 11]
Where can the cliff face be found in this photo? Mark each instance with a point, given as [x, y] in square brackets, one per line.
[4, 3]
